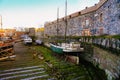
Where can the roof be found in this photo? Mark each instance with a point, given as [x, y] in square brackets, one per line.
[82, 12]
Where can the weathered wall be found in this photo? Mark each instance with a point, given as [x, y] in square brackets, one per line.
[107, 61]
[102, 18]
[110, 18]
[76, 26]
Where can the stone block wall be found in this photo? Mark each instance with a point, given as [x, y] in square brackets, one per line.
[99, 55]
[102, 18]
[110, 23]
[108, 62]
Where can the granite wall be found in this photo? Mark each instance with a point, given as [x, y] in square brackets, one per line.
[99, 55]
[110, 13]
[102, 18]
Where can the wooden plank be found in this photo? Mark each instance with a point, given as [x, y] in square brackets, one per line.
[3, 58]
[6, 50]
[7, 57]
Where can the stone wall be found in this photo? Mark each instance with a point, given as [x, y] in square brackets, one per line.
[96, 52]
[108, 62]
[110, 18]
[102, 18]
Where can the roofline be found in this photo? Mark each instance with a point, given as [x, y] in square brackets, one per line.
[82, 12]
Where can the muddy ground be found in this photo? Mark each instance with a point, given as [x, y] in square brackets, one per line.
[24, 57]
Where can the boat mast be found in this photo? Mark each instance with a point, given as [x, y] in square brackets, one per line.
[1, 21]
[66, 21]
[57, 22]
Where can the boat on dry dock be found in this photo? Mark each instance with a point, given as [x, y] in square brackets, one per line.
[67, 48]
[64, 47]
[56, 48]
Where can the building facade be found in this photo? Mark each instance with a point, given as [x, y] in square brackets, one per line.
[102, 18]
[39, 33]
[31, 31]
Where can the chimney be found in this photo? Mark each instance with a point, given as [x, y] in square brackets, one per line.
[100, 0]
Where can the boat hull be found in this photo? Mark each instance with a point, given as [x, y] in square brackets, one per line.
[56, 49]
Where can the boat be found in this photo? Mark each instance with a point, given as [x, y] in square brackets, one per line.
[73, 48]
[38, 42]
[57, 49]
[65, 47]
[54, 47]
[27, 40]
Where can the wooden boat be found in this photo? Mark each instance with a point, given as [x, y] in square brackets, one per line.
[67, 48]
[56, 48]
[72, 47]
[73, 50]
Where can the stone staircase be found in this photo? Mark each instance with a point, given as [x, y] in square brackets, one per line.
[40, 72]
[25, 73]
[67, 71]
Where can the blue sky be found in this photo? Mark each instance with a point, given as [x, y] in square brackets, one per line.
[34, 13]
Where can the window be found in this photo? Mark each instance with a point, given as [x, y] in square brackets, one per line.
[79, 13]
[101, 17]
[95, 15]
[86, 32]
[87, 22]
[119, 16]
[101, 31]
[118, 1]
[83, 24]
